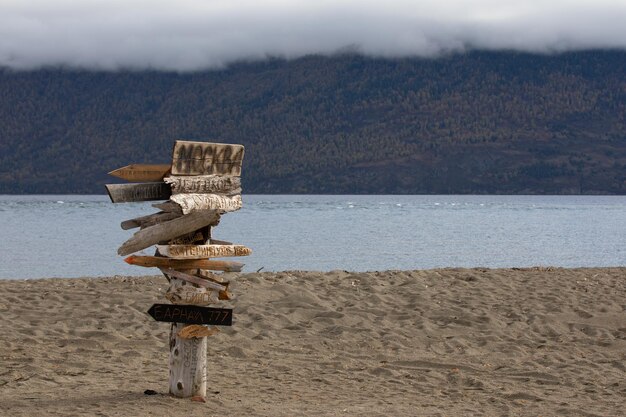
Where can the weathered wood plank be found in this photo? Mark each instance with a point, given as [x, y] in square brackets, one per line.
[204, 158]
[168, 206]
[193, 279]
[211, 275]
[220, 242]
[145, 191]
[188, 364]
[141, 172]
[205, 184]
[203, 251]
[179, 292]
[193, 202]
[198, 237]
[158, 262]
[192, 238]
[197, 331]
[167, 231]
[149, 220]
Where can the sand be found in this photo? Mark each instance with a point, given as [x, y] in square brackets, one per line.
[447, 342]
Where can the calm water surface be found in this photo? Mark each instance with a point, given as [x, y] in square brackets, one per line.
[72, 236]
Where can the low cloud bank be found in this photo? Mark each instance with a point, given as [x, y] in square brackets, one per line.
[187, 35]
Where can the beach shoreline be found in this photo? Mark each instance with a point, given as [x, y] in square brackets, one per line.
[453, 341]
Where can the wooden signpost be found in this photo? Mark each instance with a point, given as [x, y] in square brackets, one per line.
[202, 183]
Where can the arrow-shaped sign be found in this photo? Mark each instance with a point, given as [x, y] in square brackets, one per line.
[176, 313]
[141, 172]
[193, 279]
[160, 262]
[142, 191]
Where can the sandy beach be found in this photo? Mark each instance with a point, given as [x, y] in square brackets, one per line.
[446, 342]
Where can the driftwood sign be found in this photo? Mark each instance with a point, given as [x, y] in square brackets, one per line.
[168, 230]
[159, 262]
[195, 202]
[179, 292]
[202, 251]
[193, 279]
[194, 238]
[182, 313]
[147, 191]
[150, 220]
[141, 172]
[197, 331]
[203, 158]
[205, 184]
[210, 275]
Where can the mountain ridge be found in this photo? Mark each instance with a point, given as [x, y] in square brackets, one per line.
[479, 123]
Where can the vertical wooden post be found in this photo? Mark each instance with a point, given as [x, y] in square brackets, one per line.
[188, 364]
[188, 356]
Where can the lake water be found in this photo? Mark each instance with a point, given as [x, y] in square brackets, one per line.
[78, 235]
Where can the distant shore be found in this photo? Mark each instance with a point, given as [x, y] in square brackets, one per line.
[519, 341]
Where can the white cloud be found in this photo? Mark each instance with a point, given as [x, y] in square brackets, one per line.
[189, 35]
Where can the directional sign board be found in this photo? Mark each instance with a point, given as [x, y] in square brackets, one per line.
[160, 262]
[176, 313]
[203, 158]
[141, 172]
[202, 251]
[146, 191]
[208, 184]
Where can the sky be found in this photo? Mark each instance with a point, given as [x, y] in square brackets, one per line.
[189, 35]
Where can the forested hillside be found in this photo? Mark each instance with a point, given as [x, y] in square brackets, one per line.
[472, 123]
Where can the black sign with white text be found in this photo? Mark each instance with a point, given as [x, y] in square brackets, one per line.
[191, 314]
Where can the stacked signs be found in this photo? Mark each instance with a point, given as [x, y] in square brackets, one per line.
[202, 184]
